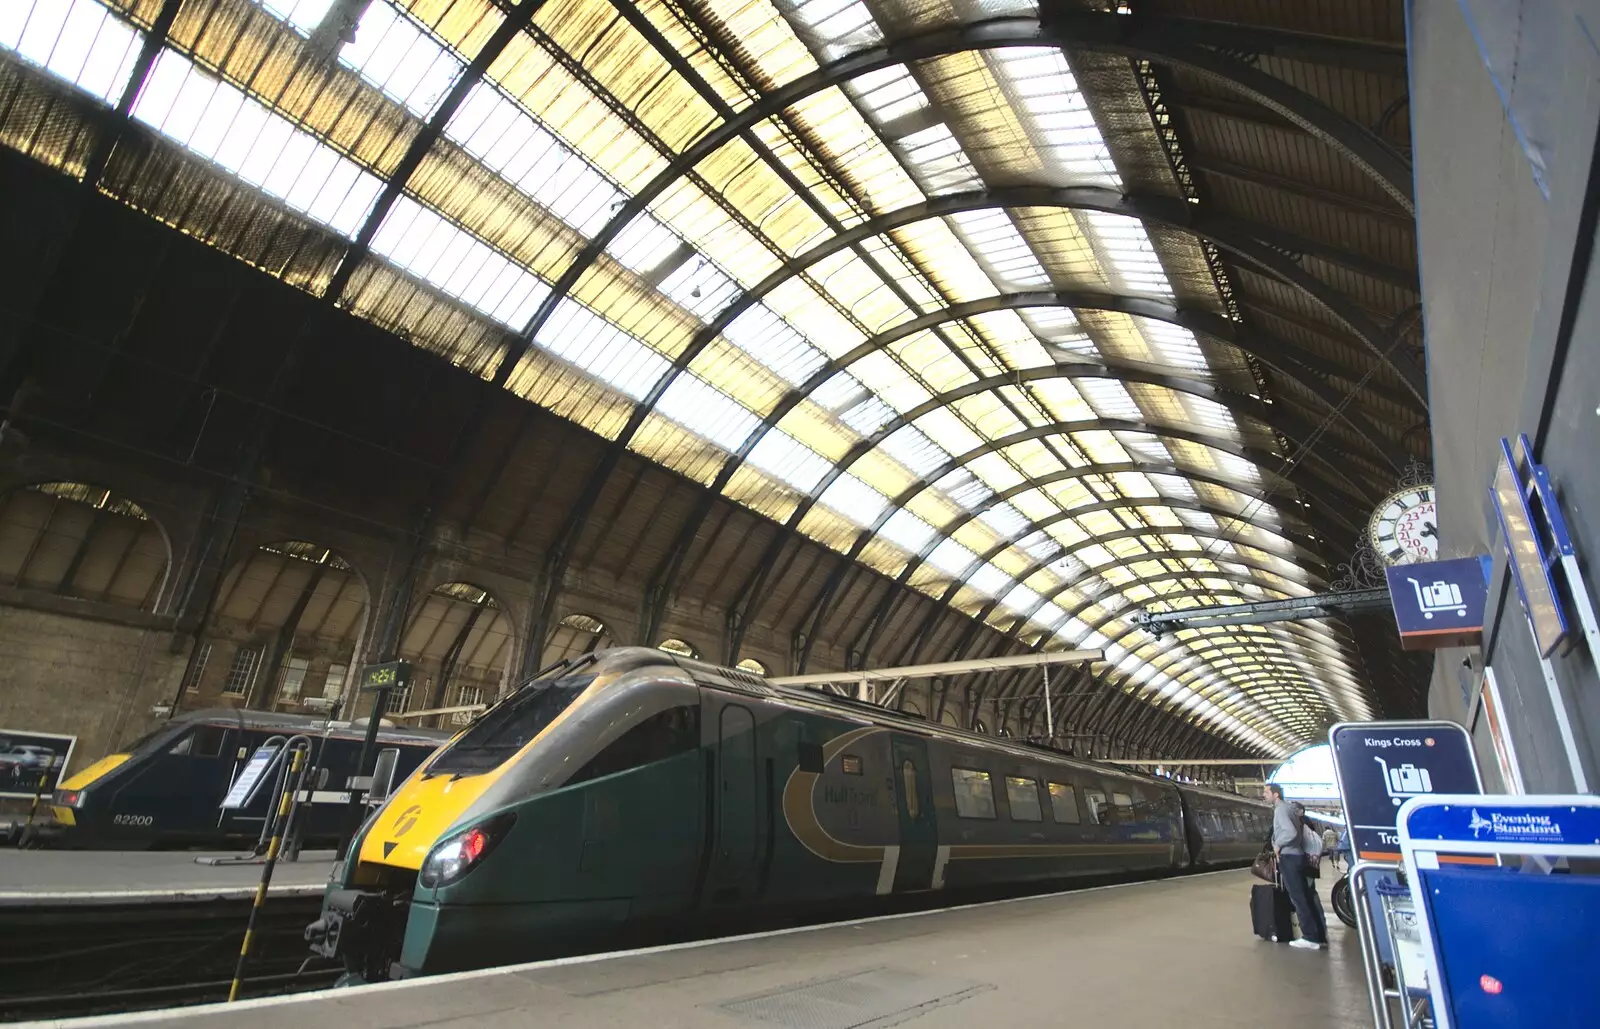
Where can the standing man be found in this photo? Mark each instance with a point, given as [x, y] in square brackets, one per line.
[1288, 839]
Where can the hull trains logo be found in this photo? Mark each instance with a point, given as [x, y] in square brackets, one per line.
[407, 820]
[1530, 828]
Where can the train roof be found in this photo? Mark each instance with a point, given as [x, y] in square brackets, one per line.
[1212, 791]
[310, 725]
[738, 680]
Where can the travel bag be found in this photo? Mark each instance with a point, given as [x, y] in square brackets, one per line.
[1271, 913]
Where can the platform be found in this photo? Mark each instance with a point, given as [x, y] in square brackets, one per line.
[31, 877]
[1155, 955]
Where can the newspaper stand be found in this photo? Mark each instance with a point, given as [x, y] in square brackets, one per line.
[1382, 901]
[1505, 947]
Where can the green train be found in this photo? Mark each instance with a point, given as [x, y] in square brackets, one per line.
[632, 787]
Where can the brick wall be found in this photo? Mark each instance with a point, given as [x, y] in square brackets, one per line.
[93, 672]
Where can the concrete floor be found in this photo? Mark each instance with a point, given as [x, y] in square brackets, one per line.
[62, 876]
[1176, 954]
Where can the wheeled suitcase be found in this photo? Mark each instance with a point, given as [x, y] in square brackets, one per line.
[1271, 913]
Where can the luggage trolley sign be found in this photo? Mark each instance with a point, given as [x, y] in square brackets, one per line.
[1381, 765]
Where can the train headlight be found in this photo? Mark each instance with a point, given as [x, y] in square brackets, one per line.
[455, 856]
[71, 798]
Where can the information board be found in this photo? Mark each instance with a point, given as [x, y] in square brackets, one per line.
[32, 762]
[244, 788]
[1381, 765]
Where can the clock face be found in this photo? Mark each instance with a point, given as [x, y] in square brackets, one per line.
[1405, 527]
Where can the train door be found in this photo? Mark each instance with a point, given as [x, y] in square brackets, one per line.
[738, 803]
[919, 830]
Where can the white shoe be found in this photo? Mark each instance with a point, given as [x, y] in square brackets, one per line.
[1305, 944]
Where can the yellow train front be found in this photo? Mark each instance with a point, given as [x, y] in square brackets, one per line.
[635, 790]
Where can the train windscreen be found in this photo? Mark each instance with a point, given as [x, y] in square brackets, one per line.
[507, 728]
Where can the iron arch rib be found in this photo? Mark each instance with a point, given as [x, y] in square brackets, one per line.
[1305, 368]
[989, 35]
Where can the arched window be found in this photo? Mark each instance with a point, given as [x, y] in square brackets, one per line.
[461, 641]
[283, 632]
[678, 648]
[82, 541]
[750, 665]
[576, 634]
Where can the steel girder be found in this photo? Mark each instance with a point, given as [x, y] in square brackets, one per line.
[1091, 198]
[1170, 644]
[1340, 132]
[884, 612]
[1107, 32]
[817, 616]
[155, 38]
[1299, 629]
[1319, 646]
[1289, 359]
[1312, 48]
[1233, 402]
[1173, 43]
[1229, 234]
[1262, 461]
[1183, 651]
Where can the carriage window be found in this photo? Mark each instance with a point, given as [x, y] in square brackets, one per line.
[908, 777]
[1022, 796]
[657, 738]
[974, 793]
[1063, 803]
[1096, 803]
[1124, 805]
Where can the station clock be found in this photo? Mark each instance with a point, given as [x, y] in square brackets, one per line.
[1405, 527]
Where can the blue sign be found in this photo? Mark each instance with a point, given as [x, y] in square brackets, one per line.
[1381, 765]
[1530, 565]
[1439, 603]
[1516, 824]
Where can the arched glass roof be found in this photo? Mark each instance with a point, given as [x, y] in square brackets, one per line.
[748, 242]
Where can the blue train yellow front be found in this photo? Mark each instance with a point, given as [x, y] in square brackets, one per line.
[631, 788]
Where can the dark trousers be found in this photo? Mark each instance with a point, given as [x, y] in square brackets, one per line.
[1303, 895]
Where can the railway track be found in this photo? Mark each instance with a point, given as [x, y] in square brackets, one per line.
[65, 960]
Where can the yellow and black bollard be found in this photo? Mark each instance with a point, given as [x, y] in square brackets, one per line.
[279, 823]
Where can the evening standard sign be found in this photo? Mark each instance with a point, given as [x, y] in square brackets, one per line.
[1514, 825]
[1501, 827]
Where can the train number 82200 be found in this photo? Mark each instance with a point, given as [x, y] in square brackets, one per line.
[142, 820]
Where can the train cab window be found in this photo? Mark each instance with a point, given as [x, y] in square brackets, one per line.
[1099, 810]
[1022, 796]
[1127, 807]
[1063, 803]
[203, 741]
[657, 738]
[510, 726]
[974, 793]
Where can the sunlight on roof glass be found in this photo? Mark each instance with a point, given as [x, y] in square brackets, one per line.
[76, 40]
[562, 157]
